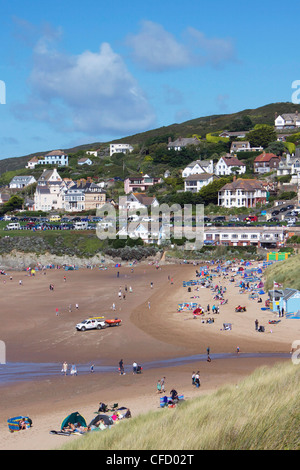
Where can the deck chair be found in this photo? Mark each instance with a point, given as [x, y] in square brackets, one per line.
[114, 407]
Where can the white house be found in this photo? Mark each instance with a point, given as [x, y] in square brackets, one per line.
[49, 176]
[56, 157]
[135, 201]
[290, 165]
[287, 121]
[94, 153]
[181, 142]
[49, 194]
[120, 148]
[242, 193]
[229, 165]
[19, 182]
[194, 183]
[197, 167]
[84, 161]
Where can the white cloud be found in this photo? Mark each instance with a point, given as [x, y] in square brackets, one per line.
[156, 49]
[92, 92]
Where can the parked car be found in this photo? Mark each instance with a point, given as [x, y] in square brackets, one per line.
[274, 213]
[234, 219]
[273, 219]
[283, 209]
[251, 218]
[220, 218]
[291, 220]
[13, 226]
[290, 207]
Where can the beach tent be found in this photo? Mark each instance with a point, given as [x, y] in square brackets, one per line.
[13, 423]
[73, 418]
[107, 420]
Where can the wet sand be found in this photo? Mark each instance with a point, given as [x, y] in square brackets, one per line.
[33, 332]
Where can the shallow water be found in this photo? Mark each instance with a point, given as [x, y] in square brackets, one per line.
[14, 372]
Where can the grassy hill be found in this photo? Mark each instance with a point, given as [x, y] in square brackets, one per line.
[284, 272]
[261, 413]
[200, 126]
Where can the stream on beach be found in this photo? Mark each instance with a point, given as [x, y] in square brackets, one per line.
[13, 372]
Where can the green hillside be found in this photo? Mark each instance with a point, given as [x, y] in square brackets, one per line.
[261, 413]
[200, 126]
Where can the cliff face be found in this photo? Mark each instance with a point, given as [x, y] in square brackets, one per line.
[17, 260]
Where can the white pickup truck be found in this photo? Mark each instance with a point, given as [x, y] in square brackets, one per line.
[91, 324]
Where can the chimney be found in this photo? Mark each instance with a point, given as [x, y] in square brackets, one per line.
[234, 178]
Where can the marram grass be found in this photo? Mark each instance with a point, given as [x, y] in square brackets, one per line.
[284, 272]
[260, 413]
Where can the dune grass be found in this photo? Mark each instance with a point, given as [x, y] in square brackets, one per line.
[261, 413]
[284, 272]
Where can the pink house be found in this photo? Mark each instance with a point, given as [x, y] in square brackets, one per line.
[139, 183]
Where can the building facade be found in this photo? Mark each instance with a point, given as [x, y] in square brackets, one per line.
[242, 193]
[139, 183]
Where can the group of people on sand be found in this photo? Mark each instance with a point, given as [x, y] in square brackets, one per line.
[196, 379]
[100, 425]
[160, 386]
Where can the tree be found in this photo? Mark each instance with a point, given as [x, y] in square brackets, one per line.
[242, 124]
[209, 193]
[261, 136]
[15, 202]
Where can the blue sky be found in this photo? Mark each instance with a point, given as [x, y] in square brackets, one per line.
[80, 72]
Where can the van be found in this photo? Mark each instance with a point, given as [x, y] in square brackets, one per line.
[13, 226]
[55, 218]
[80, 225]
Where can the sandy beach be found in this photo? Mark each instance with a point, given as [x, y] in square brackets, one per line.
[38, 325]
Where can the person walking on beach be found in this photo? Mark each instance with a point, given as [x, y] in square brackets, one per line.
[121, 367]
[197, 379]
[256, 324]
[56, 312]
[134, 368]
[65, 368]
[162, 383]
[149, 305]
[193, 377]
[158, 386]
